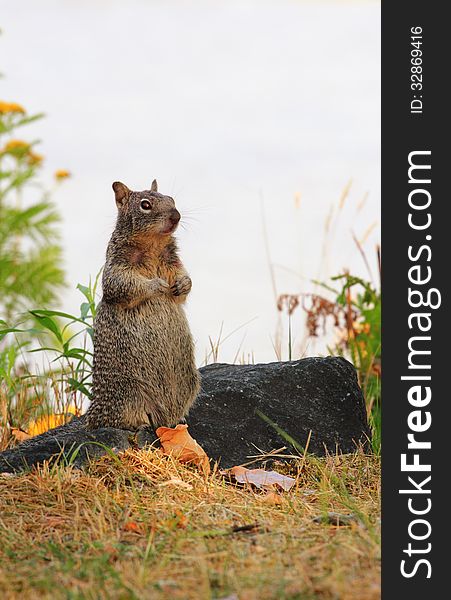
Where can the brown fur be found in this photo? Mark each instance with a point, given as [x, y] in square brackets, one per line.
[144, 371]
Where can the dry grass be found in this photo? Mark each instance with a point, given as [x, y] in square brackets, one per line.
[146, 527]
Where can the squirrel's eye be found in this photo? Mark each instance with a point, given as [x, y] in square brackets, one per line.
[145, 205]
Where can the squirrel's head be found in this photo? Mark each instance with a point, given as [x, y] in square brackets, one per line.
[146, 212]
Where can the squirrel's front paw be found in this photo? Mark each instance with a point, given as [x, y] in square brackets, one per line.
[182, 286]
[159, 285]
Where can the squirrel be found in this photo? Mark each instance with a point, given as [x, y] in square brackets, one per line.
[144, 373]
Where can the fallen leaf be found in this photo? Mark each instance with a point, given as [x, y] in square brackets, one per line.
[178, 443]
[19, 434]
[182, 521]
[177, 521]
[262, 479]
[132, 526]
[272, 498]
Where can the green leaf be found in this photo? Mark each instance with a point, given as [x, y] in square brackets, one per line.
[7, 330]
[57, 313]
[85, 291]
[77, 386]
[48, 323]
[84, 310]
[44, 349]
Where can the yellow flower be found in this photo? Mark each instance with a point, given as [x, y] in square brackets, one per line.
[361, 327]
[34, 159]
[62, 174]
[11, 107]
[16, 148]
[16, 145]
[47, 422]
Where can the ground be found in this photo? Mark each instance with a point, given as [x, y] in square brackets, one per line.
[148, 527]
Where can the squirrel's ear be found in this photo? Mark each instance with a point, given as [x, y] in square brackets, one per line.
[154, 186]
[121, 192]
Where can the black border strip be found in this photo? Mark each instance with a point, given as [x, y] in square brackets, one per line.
[405, 132]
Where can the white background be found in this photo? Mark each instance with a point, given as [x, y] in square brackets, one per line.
[236, 108]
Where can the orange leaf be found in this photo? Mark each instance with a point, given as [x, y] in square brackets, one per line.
[179, 444]
[177, 521]
[19, 434]
[261, 478]
[272, 498]
[132, 526]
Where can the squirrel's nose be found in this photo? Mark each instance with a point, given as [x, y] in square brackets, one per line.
[174, 216]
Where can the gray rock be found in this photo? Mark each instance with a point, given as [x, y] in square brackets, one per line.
[317, 395]
[320, 395]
